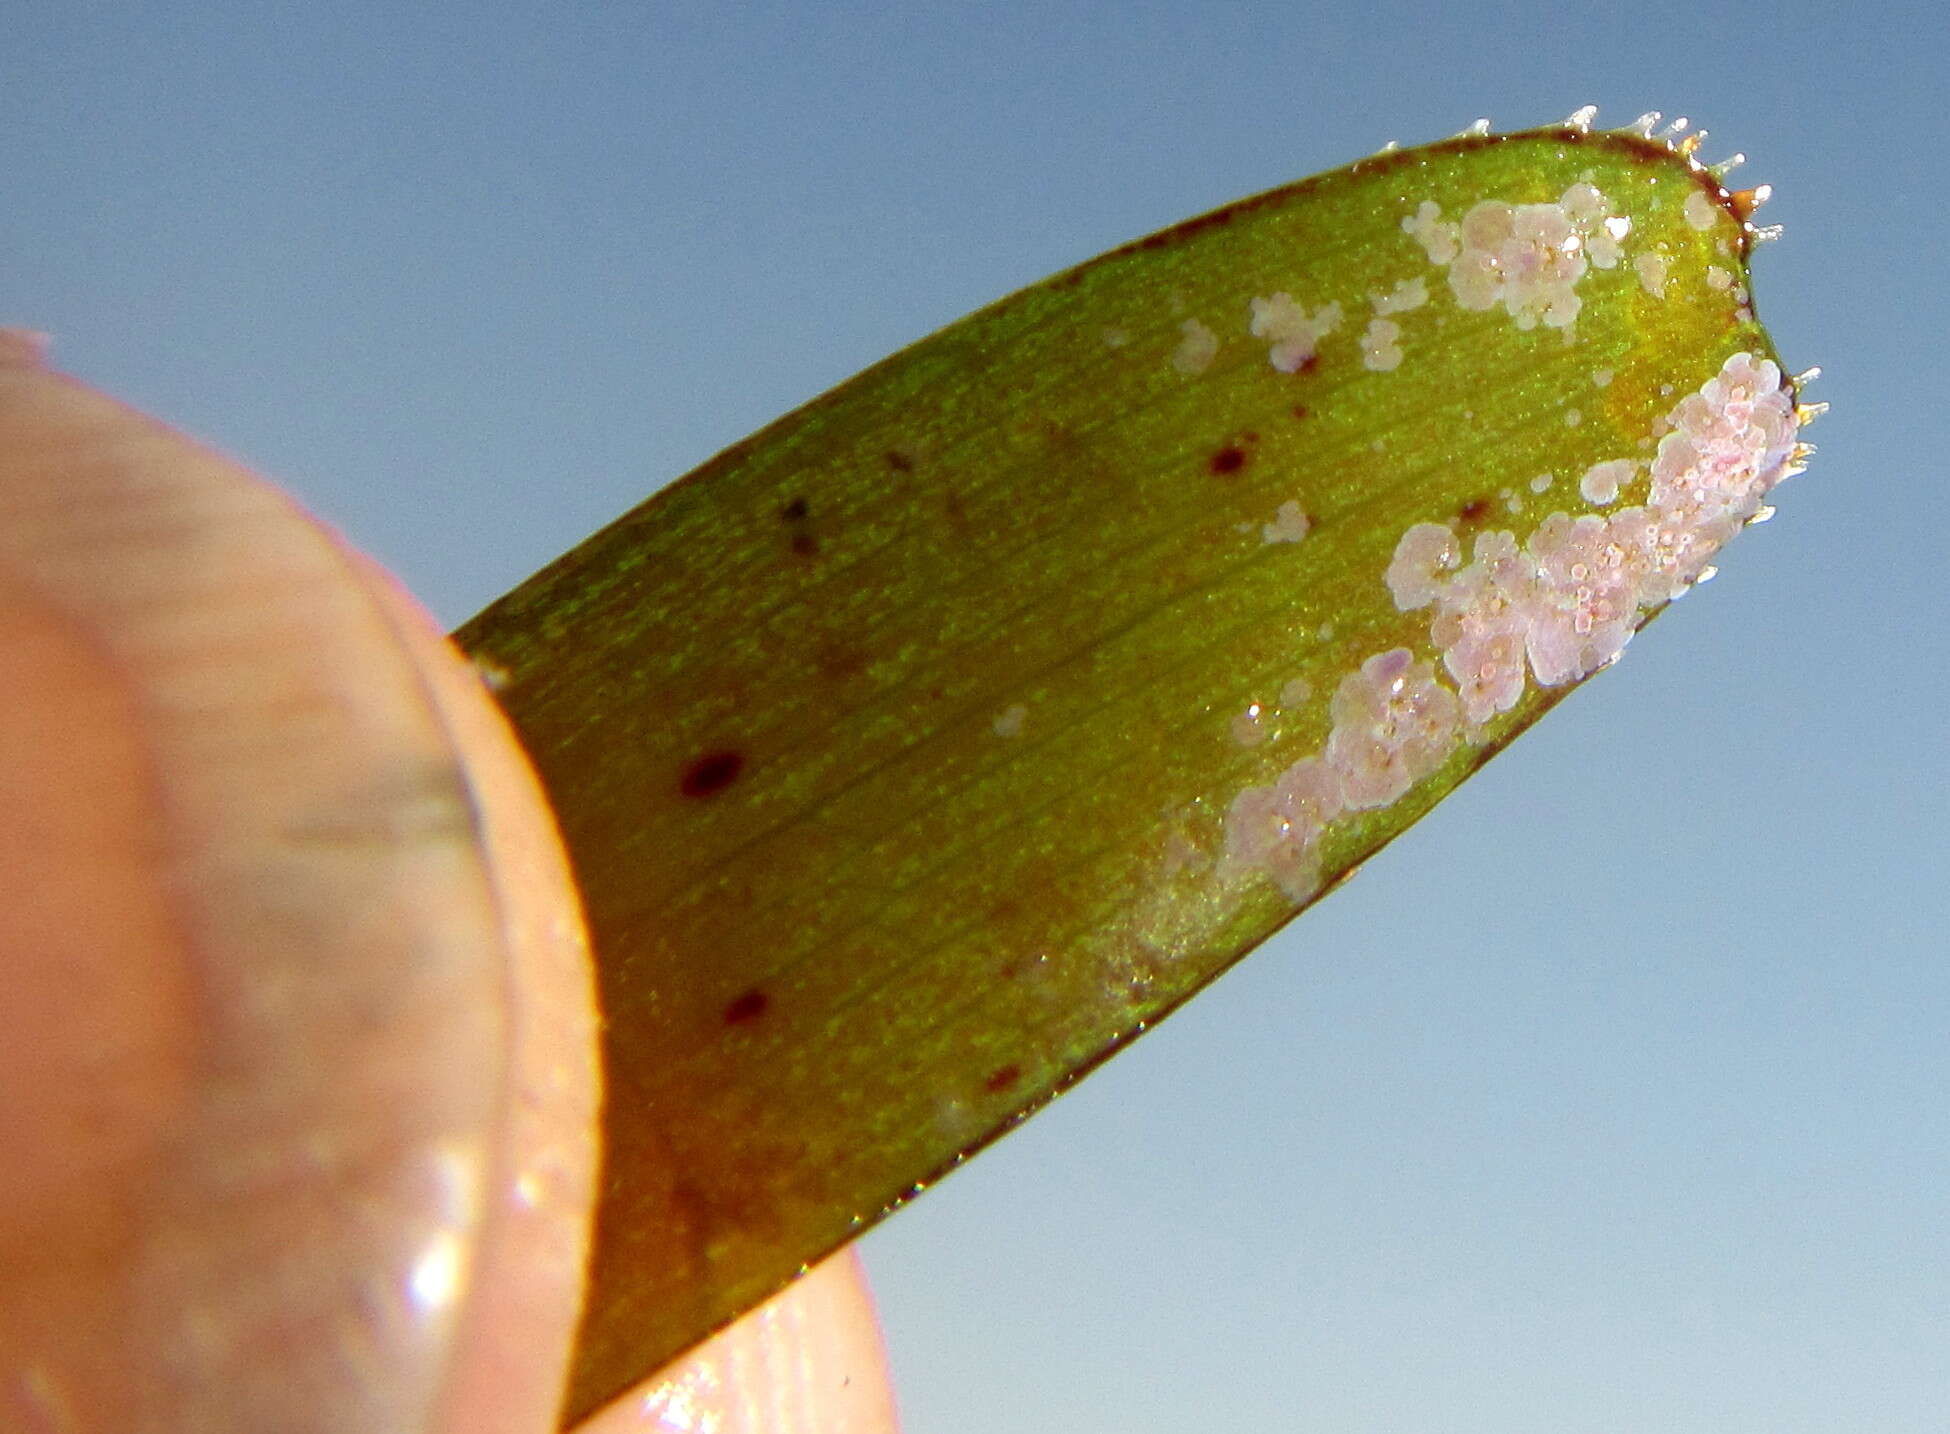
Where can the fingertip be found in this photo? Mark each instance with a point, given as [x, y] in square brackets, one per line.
[809, 1361]
[327, 1150]
[299, 1231]
[24, 348]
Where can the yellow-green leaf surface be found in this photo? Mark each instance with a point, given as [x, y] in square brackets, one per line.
[922, 749]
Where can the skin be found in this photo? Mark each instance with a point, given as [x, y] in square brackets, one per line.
[299, 1060]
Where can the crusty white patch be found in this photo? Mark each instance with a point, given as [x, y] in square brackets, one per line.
[1290, 524]
[1248, 728]
[1440, 239]
[1406, 295]
[1524, 258]
[1381, 348]
[1196, 349]
[1292, 334]
[1180, 854]
[1568, 599]
[1602, 481]
[1009, 722]
[1652, 274]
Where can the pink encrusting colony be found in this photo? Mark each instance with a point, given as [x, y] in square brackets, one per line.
[1526, 257]
[1552, 607]
[1290, 331]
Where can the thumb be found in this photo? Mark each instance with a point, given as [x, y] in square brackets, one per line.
[299, 1045]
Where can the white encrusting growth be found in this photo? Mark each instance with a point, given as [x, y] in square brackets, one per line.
[1562, 602]
[1406, 295]
[1276, 829]
[1602, 481]
[1290, 331]
[1439, 239]
[1381, 348]
[1248, 728]
[1576, 587]
[1527, 258]
[1425, 555]
[1196, 349]
[1290, 524]
[1009, 722]
[1394, 723]
[1553, 607]
[1652, 273]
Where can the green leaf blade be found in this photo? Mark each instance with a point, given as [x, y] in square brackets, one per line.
[908, 751]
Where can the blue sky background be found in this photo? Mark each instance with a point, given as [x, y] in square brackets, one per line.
[1611, 1098]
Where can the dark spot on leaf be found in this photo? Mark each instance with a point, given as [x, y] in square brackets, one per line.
[805, 544]
[839, 661]
[1251, 437]
[1474, 511]
[1308, 364]
[1001, 1079]
[747, 1007]
[797, 511]
[899, 461]
[1300, 410]
[1229, 459]
[711, 774]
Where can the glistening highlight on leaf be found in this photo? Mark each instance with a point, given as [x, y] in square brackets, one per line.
[923, 748]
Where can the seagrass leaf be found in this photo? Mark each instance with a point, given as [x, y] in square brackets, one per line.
[922, 749]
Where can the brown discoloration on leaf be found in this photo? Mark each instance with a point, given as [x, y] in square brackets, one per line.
[711, 773]
[746, 1007]
[1002, 1079]
[1227, 460]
